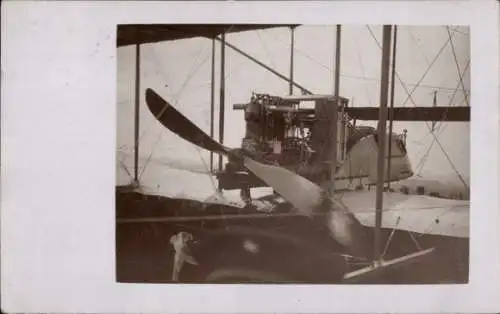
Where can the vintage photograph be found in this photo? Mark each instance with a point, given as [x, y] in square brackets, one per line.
[292, 154]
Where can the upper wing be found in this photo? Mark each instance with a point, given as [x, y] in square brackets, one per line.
[416, 213]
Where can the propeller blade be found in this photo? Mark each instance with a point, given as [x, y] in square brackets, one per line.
[309, 198]
[176, 122]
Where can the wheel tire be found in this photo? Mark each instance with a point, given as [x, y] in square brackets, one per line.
[244, 275]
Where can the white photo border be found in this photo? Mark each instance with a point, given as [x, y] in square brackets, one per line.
[58, 160]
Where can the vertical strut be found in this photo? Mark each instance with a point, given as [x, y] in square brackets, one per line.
[384, 86]
[338, 48]
[136, 122]
[292, 44]
[335, 120]
[391, 112]
[222, 93]
[434, 104]
[212, 103]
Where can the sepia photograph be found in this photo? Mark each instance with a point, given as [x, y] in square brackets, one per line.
[292, 154]
[250, 157]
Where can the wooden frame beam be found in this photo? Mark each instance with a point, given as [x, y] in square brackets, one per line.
[449, 114]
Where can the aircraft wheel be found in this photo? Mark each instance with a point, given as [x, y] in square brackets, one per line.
[244, 275]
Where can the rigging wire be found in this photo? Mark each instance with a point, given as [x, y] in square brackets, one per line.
[162, 73]
[124, 167]
[176, 97]
[424, 158]
[435, 140]
[399, 78]
[447, 157]
[458, 66]
[452, 164]
[440, 124]
[362, 71]
[194, 69]
[192, 72]
[264, 47]
[356, 77]
[173, 163]
[207, 168]
[208, 82]
[266, 51]
[412, 36]
[455, 30]
[411, 98]
[420, 166]
[404, 85]
[434, 87]
[373, 148]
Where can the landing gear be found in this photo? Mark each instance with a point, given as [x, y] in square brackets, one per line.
[244, 275]
[246, 196]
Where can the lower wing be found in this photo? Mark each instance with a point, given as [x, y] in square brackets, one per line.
[415, 213]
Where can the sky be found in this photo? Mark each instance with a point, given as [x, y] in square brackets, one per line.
[180, 71]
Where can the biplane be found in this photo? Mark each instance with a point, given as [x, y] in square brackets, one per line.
[313, 228]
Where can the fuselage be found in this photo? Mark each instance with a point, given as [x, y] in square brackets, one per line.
[361, 163]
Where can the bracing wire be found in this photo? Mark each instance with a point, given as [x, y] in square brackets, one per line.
[448, 157]
[207, 168]
[124, 167]
[355, 77]
[148, 128]
[174, 164]
[360, 59]
[192, 72]
[426, 72]
[266, 50]
[373, 148]
[452, 164]
[412, 36]
[458, 66]
[411, 99]
[434, 207]
[194, 69]
[439, 130]
[455, 30]
[440, 124]
[404, 85]
[393, 231]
